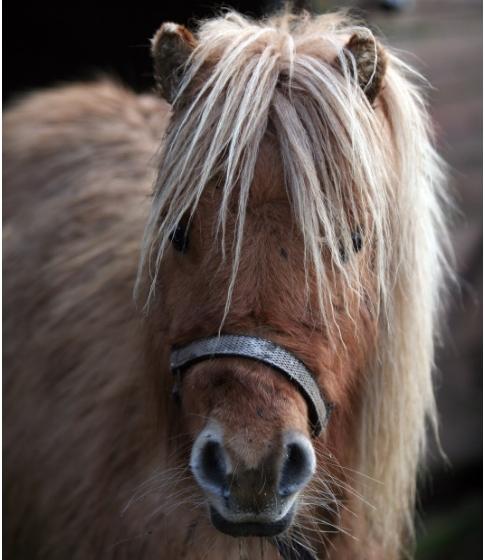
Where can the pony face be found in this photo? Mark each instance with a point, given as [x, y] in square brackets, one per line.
[253, 454]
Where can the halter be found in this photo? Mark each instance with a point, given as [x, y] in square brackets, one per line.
[264, 351]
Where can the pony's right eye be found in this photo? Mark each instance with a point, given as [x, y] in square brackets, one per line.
[180, 238]
[357, 241]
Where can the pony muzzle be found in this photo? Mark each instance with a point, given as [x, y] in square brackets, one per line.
[251, 501]
[251, 465]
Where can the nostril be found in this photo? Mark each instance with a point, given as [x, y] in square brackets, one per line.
[298, 467]
[211, 467]
[293, 467]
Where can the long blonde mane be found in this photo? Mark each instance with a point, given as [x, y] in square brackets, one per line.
[345, 167]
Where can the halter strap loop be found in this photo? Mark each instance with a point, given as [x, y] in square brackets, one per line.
[264, 351]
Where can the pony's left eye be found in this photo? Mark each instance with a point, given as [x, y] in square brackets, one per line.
[357, 245]
[180, 237]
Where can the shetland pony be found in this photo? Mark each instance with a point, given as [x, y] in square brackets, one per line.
[298, 202]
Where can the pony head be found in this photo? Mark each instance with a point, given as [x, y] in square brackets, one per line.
[297, 202]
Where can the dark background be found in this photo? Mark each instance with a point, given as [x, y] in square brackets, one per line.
[47, 43]
[53, 41]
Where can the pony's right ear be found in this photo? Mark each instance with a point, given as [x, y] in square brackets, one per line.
[171, 48]
[367, 54]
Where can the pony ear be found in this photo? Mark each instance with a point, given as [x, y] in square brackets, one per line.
[370, 62]
[171, 48]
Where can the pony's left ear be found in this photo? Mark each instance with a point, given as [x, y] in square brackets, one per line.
[171, 48]
[370, 62]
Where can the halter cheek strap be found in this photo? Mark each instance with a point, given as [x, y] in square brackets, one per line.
[264, 351]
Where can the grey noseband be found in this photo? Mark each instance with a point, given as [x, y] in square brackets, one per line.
[263, 351]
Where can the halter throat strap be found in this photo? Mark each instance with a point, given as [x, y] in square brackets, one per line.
[264, 351]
